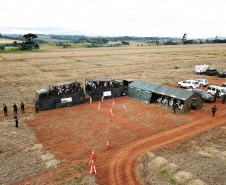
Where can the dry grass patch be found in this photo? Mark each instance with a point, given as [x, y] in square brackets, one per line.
[188, 163]
[183, 177]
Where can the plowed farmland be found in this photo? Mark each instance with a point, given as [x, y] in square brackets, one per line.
[54, 146]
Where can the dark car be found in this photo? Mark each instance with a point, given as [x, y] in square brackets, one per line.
[211, 72]
[203, 94]
[222, 73]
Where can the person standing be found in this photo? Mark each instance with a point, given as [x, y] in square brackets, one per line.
[15, 108]
[223, 99]
[216, 95]
[36, 107]
[5, 110]
[214, 109]
[174, 107]
[22, 107]
[16, 120]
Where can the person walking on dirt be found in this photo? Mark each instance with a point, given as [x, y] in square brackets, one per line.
[15, 108]
[16, 120]
[22, 107]
[5, 110]
[214, 109]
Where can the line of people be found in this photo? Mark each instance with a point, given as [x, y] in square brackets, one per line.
[5, 110]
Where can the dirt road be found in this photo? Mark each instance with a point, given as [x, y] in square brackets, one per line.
[122, 161]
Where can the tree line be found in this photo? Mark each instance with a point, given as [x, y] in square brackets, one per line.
[28, 43]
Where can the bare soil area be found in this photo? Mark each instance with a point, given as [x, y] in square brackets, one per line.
[54, 146]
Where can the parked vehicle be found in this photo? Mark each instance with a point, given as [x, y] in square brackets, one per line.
[203, 94]
[224, 85]
[191, 84]
[200, 69]
[222, 73]
[212, 89]
[202, 82]
[211, 72]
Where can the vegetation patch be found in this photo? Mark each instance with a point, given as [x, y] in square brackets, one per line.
[20, 51]
[165, 83]
[212, 54]
[99, 64]
[78, 61]
[166, 173]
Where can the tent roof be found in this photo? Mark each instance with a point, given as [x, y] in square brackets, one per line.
[40, 91]
[104, 79]
[162, 89]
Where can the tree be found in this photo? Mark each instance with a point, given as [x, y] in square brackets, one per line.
[184, 38]
[0, 35]
[30, 37]
[2, 48]
[15, 44]
[125, 43]
[29, 44]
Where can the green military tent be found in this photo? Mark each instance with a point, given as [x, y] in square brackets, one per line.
[151, 93]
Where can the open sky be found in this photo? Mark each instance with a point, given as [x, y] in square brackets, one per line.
[163, 18]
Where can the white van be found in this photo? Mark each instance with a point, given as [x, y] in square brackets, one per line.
[212, 89]
[200, 69]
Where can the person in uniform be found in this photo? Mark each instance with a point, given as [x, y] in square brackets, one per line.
[216, 95]
[22, 107]
[214, 109]
[174, 107]
[16, 120]
[15, 108]
[223, 99]
[5, 110]
[36, 107]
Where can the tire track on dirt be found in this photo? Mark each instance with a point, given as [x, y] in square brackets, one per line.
[122, 166]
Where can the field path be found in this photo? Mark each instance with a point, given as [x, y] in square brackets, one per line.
[117, 166]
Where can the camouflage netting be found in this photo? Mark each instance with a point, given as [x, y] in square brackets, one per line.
[55, 101]
[149, 93]
[63, 94]
[96, 87]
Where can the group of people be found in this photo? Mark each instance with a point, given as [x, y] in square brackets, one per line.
[94, 85]
[64, 89]
[5, 109]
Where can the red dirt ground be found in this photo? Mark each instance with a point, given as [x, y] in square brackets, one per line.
[72, 133]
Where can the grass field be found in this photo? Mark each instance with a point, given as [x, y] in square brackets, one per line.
[8, 41]
[29, 71]
[36, 142]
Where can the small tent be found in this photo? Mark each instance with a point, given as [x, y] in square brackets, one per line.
[150, 93]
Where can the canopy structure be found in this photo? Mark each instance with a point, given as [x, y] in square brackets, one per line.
[104, 79]
[61, 84]
[150, 93]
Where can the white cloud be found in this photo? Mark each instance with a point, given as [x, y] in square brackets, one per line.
[197, 18]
